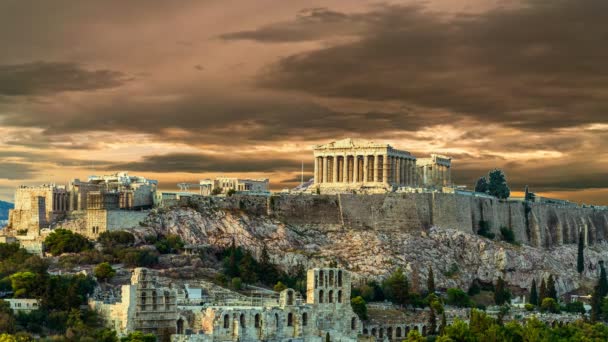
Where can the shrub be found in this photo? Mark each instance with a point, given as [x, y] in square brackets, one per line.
[484, 230]
[459, 298]
[507, 234]
[452, 271]
[170, 244]
[359, 307]
[110, 239]
[65, 241]
[133, 257]
[104, 271]
[279, 287]
[575, 307]
[550, 305]
[237, 283]
[529, 307]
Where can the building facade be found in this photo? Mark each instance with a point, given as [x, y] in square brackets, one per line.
[225, 184]
[350, 164]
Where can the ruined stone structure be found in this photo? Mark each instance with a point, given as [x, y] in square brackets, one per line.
[435, 172]
[132, 192]
[144, 306]
[147, 305]
[37, 206]
[101, 198]
[349, 164]
[225, 184]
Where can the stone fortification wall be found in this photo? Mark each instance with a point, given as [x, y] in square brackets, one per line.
[536, 224]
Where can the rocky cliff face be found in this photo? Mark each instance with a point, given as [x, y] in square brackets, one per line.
[457, 257]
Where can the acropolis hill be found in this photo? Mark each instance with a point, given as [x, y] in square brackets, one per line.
[365, 193]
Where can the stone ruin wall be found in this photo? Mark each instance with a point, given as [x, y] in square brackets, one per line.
[545, 225]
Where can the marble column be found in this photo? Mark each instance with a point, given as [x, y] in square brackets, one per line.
[365, 165]
[398, 171]
[376, 168]
[325, 170]
[316, 170]
[355, 169]
[335, 169]
[344, 169]
[385, 166]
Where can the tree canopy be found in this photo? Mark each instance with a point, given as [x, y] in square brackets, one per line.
[65, 241]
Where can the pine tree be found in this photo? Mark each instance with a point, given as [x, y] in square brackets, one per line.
[603, 281]
[580, 261]
[481, 185]
[543, 291]
[443, 324]
[430, 282]
[397, 287]
[533, 294]
[551, 290]
[497, 184]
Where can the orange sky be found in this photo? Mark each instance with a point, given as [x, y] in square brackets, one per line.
[180, 91]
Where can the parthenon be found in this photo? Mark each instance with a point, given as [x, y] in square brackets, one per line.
[358, 164]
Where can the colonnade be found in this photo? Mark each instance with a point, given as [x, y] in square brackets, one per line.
[437, 174]
[365, 168]
[61, 201]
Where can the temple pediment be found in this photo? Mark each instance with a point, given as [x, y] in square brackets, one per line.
[350, 143]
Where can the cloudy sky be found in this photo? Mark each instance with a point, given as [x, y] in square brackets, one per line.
[182, 90]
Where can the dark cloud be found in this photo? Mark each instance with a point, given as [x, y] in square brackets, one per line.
[199, 163]
[45, 78]
[310, 24]
[16, 171]
[538, 66]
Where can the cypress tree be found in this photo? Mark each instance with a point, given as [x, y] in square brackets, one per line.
[551, 290]
[596, 304]
[432, 321]
[603, 282]
[501, 294]
[580, 260]
[533, 293]
[543, 291]
[443, 324]
[430, 282]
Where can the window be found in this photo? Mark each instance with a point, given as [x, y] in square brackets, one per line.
[276, 319]
[242, 320]
[143, 301]
[154, 300]
[398, 331]
[330, 298]
[305, 319]
[340, 278]
[257, 320]
[290, 319]
[331, 278]
[226, 322]
[353, 323]
[321, 278]
[340, 296]
[321, 296]
[289, 297]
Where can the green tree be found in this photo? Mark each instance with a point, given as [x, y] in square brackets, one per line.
[278, 287]
[543, 291]
[502, 294]
[576, 307]
[550, 305]
[26, 284]
[484, 229]
[497, 184]
[459, 331]
[414, 336]
[603, 282]
[359, 307]
[65, 241]
[580, 260]
[533, 293]
[430, 282]
[459, 298]
[481, 185]
[230, 192]
[248, 268]
[596, 304]
[396, 287]
[237, 283]
[138, 336]
[104, 271]
[551, 289]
